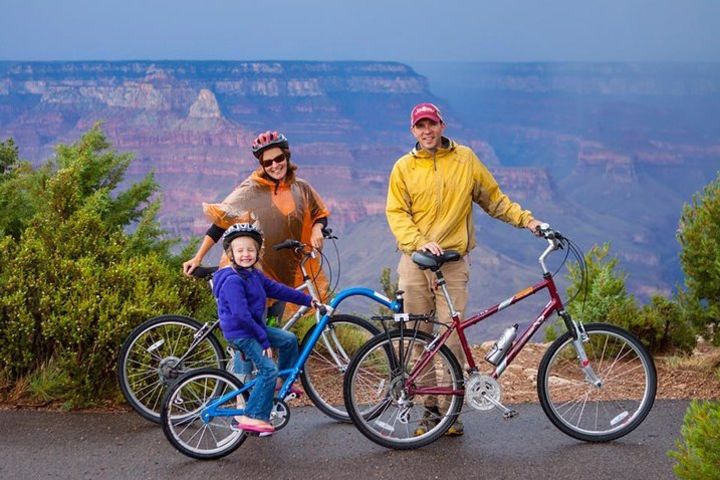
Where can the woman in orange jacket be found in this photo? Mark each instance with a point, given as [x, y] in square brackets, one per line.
[285, 206]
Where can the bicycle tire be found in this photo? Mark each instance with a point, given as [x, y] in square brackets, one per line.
[375, 396]
[597, 413]
[322, 376]
[183, 404]
[143, 374]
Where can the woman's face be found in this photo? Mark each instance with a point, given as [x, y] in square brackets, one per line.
[274, 162]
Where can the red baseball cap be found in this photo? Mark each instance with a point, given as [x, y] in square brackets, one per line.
[425, 110]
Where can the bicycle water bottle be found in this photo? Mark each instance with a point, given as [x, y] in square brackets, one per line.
[503, 344]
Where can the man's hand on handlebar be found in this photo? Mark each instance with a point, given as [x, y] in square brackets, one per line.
[535, 226]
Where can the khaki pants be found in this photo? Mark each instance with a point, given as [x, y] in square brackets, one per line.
[421, 297]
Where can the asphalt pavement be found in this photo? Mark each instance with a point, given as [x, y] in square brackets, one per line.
[55, 445]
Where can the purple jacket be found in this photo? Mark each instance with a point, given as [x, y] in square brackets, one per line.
[241, 296]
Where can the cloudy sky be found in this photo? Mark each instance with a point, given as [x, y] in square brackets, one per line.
[410, 31]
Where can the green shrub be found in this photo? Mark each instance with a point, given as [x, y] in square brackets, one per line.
[699, 237]
[76, 281]
[698, 454]
[664, 325]
[661, 325]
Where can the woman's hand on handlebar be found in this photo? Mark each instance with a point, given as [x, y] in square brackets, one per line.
[190, 265]
[316, 237]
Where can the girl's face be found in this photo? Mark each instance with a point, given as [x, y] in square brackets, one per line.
[245, 251]
[274, 162]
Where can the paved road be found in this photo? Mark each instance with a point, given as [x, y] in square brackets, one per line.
[43, 445]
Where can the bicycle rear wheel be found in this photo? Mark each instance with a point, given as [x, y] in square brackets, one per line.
[149, 360]
[182, 420]
[322, 375]
[382, 406]
[622, 397]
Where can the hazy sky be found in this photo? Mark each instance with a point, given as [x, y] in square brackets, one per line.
[453, 30]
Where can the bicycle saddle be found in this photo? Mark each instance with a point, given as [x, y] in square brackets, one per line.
[426, 260]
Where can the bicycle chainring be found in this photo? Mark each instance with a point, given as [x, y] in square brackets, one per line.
[279, 415]
[477, 390]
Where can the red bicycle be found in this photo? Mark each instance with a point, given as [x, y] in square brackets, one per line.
[404, 388]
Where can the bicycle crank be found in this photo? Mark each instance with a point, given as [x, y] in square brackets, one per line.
[279, 415]
[482, 392]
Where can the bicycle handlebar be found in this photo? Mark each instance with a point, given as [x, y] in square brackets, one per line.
[287, 244]
[323, 309]
[294, 244]
[327, 233]
[548, 233]
[203, 272]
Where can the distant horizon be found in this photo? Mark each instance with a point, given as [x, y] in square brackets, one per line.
[404, 62]
[326, 30]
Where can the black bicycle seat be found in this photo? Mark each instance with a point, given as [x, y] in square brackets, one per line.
[426, 260]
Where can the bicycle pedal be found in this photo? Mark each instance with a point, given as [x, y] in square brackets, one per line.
[510, 414]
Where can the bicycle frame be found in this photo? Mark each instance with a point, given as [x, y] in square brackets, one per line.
[291, 374]
[554, 305]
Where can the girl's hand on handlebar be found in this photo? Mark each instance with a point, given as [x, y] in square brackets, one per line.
[320, 307]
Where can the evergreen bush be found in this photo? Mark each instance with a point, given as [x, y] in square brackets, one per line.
[698, 453]
[84, 263]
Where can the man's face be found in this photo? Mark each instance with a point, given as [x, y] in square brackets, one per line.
[428, 133]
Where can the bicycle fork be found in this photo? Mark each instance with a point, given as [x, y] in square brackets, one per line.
[580, 337]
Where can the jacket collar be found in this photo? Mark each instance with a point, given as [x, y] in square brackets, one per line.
[447, 146]
[262, 178]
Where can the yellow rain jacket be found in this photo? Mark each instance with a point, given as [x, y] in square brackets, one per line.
[429, 198]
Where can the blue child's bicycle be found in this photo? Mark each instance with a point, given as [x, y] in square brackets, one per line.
[197, 411]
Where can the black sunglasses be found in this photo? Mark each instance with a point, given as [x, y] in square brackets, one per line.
[279, 159]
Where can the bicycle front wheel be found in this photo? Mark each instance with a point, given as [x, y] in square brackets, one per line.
[150, 360]
[385, 408]
[322, 375]
[608, 398]
[187, 428]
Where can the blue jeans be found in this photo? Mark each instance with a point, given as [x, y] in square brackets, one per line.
[260, 402]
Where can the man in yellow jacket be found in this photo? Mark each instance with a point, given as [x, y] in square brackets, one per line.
[429, 207]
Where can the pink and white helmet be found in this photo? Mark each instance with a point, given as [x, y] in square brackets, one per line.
[268, 140]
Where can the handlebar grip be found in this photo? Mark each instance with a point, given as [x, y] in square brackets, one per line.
[203, 272]
[320, 307]
[287, 244]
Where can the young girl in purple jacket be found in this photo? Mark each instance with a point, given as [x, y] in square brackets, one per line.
[241, 292]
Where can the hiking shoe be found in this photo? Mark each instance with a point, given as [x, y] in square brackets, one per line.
[430, 419]
[456, 429]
